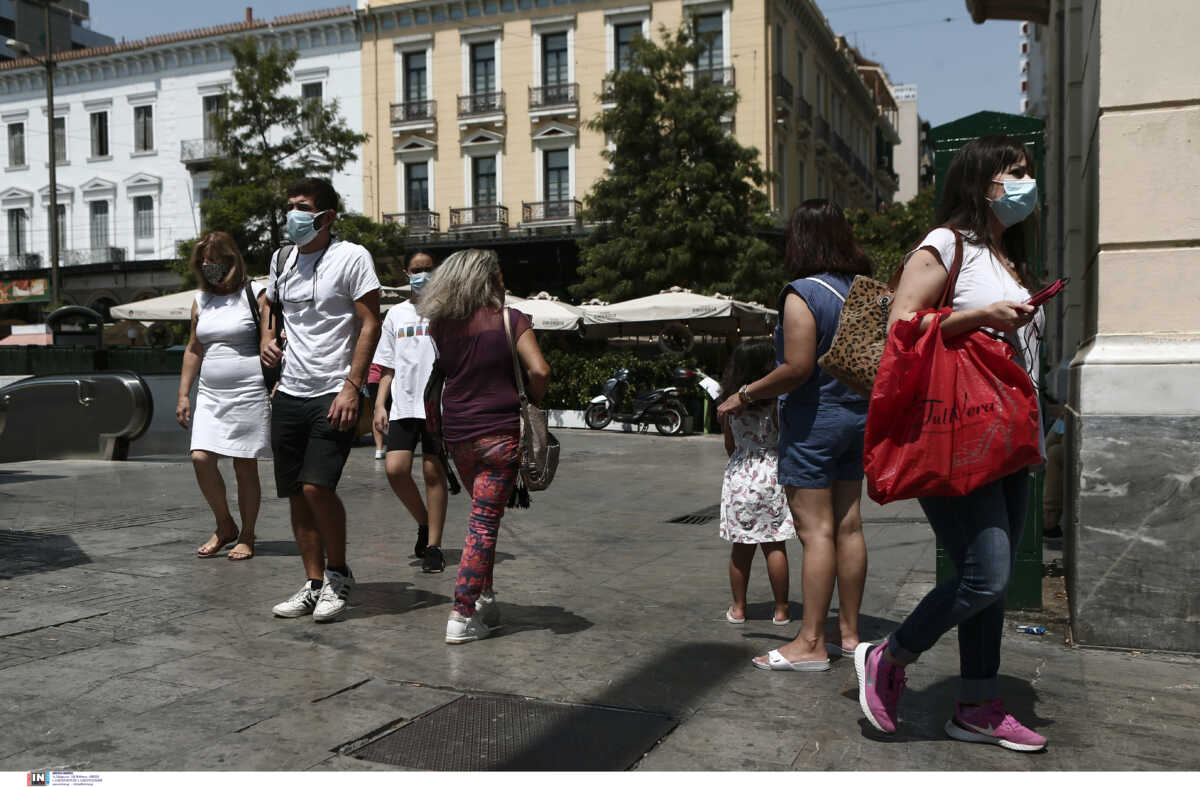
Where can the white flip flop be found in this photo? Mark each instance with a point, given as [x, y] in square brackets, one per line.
[776, 661]
[834, 649]
[729, 617]
[784, 622]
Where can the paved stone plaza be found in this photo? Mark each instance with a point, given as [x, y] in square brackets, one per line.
[119, 650]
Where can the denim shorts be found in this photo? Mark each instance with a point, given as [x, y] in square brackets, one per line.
[820, 443]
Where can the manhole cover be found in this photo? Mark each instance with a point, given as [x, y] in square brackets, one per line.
[519, 734]
[707, 514]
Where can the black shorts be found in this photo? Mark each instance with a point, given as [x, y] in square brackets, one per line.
[308, 450]
[402, 435]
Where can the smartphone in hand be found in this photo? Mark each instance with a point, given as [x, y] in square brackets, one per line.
[1048, 292]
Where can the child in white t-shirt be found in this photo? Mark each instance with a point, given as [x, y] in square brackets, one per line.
[406, 355]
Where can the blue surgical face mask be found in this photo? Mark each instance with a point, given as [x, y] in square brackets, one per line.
[1019, 200]
[300, 226]
[418, 280]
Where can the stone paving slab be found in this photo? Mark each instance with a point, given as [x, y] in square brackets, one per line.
[120, 650]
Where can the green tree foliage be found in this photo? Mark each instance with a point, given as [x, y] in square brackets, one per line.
[683, 203]
[889, 235]
[269, 139]
[384, 240]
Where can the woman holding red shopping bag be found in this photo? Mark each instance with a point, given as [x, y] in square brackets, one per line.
[980, 370]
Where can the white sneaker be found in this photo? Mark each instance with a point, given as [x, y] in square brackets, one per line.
[298, 605]
[380, 453]
[460, 629]
[487, 610]
[332, 601]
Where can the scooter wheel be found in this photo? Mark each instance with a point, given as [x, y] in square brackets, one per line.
[670, 420]
[597, 416]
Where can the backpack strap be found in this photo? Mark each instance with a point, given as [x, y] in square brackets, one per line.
[829, 287]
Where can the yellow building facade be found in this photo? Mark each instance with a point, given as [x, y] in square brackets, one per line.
[477, 111]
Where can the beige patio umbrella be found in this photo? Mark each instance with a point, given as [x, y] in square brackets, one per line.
[547, 312]
[178, 305]
[650, 315]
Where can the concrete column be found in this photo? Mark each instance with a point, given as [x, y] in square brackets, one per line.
[1133, 241]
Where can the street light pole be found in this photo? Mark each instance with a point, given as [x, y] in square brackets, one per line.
[55, 283]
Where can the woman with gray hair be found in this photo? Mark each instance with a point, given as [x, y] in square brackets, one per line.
[464, 303]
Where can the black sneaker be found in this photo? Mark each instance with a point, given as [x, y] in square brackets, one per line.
[432, 561]
[422, 540]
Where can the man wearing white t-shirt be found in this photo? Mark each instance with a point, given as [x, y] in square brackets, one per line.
[327, 294]
[406, 354]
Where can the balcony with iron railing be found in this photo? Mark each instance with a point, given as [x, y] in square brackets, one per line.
[561, 210]
[408, 115]
[822, 129]
[22, 262]
[481, 104]
[722, 76]
[417, 221]
[197, 152]
[95, 256]
[804, 113]
[480, 216]
[554, 97]
[784, 94]
[845, 159]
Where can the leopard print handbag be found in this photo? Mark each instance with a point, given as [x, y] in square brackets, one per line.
[857, 347]
[853, 358]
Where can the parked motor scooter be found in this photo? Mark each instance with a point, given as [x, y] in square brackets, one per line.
[660, 407]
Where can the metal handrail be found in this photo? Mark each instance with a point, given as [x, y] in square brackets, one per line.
[565, 94]
[551, 210]
[200, 150]
[409, 111]
[418, 220]
[721, 75]
[480, 215]
[480, 104]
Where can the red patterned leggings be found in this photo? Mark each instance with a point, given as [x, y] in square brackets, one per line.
[488, 467]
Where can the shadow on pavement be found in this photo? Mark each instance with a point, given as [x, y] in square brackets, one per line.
[391, 598]
[276, 548]
[17, 476]
[23, 552]
[527, 617]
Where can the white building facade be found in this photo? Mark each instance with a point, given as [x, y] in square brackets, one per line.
[134, 138]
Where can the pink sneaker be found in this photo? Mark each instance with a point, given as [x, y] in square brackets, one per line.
[991, 723]
[880, 684]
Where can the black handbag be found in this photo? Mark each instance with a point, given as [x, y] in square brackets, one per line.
[270, 374]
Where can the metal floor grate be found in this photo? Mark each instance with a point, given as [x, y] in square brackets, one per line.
[706, 514]
[497, 733]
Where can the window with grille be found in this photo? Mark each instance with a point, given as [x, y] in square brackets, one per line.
[143, 219]
[710, 33]
[312, 95]
[60, 140]
[213, 108]
[623, 36]
[415, 75]
[61, 212]
[416, 187]
[557, 180]
[99, 134]
[483, 180]
[483, 68]
[98, 224]
[16, 144]
[18, 224]
[554, 59]
[143, 129]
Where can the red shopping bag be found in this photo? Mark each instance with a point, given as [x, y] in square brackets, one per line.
[946, 415]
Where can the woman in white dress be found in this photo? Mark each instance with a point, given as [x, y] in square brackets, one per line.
[232, 416]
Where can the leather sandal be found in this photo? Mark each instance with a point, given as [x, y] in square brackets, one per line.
[203, 552]
[236, 556]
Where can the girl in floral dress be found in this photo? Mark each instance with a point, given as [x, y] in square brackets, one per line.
[754, 509]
